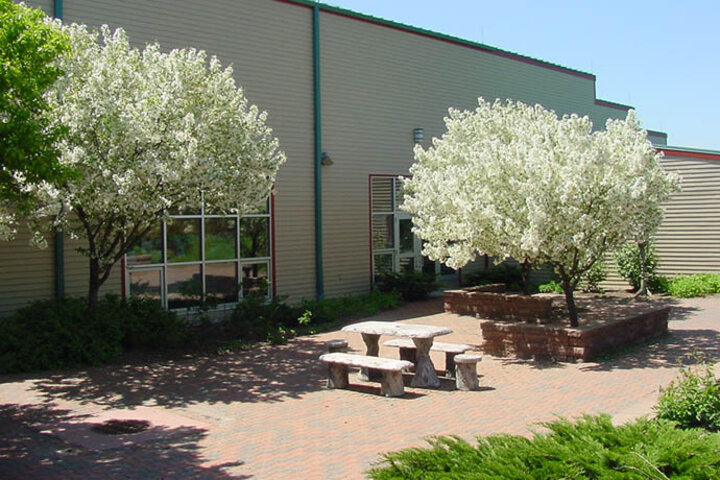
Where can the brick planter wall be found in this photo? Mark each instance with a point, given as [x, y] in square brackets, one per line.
[571, 344]
[483, 302]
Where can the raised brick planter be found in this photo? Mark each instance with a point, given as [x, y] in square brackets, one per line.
[565, 344]
[489, 302]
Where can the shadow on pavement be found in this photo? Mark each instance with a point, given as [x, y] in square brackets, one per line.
[28, 452]
[267, 373]
[679, 347]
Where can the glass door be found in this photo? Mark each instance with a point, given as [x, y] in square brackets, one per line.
[407, 253]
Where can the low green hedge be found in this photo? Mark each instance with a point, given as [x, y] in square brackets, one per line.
[589, 448]
[411, 286]
[256, 320]
[697, 285]
[49, 334]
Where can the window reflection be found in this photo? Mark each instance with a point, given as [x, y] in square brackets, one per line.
[255, 279]
[382, 231]
[183, 240]
[202, 256]
[184, 285]
[383, 265]
[407, 239]
[148, 249]
[146, 284]
[220, 241]
[221, 282]
[254, 237]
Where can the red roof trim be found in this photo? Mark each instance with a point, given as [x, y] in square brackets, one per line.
[685, 153]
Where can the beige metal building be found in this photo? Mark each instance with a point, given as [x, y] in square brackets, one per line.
[348, 97]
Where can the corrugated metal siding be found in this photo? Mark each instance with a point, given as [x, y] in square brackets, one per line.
[269, 45]
[28, 272]
[77, 268]
[657, 138]
[689, 239]
[46, 5]
[380, 83]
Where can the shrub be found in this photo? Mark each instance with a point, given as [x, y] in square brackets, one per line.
[550, 287]
[410, 285]
[510, 275]
[692, 399]
[696, 285]
[659, 284]
[49, 334]
[148, 325]
[255, 319]
[629, 265]
[590, 448]
[591, 280]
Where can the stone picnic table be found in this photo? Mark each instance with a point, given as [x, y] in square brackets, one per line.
[422, 336]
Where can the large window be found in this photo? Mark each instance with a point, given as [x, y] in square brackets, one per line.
[394, 247]
[201, 257]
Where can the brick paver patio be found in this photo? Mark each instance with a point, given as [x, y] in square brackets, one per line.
[266, 414]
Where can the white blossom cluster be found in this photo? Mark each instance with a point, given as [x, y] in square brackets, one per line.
[510, 179]
[149, 131]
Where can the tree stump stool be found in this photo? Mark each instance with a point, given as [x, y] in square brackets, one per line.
[466, 371]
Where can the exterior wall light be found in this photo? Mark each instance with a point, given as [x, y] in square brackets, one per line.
[418, 134]
[325, 159]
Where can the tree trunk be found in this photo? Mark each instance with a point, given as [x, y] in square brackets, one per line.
[526, 277]
[569, 291]
[94, 284]
[643, 290]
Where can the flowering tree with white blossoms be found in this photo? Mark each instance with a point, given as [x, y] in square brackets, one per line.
[149, 131]
[513, 180]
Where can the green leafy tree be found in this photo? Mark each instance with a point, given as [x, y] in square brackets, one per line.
[29, 46]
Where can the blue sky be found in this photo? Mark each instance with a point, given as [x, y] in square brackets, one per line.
[662, 57]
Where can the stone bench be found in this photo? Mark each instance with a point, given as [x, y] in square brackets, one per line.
[407, 351]
[336, 345]
[391, 384]
[466, 371]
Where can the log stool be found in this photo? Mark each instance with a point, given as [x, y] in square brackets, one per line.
[466, 371]
[337, 345]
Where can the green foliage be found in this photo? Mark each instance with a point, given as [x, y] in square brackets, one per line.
[50, 334]
[629, 265]
[692, 399]
[550, 287]
[590, 281]
[697, 285]
[510, 275]
[590, 448]
[28, 49]
[659, 284]
[255, 319]
[147, 324]
[410, 286]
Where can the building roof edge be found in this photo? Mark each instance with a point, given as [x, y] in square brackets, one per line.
[441, 36]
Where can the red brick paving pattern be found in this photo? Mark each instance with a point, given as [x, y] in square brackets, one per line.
[267, 415]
